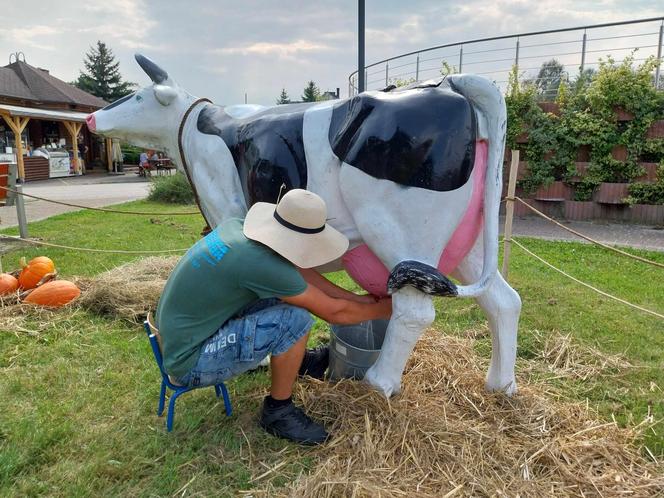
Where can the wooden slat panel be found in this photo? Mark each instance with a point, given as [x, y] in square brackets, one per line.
[36, 168]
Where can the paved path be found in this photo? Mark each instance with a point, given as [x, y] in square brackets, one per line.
[104, 190]
[94, 190]
[619, 234]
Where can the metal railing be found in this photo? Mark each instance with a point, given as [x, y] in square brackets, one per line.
[577, 49]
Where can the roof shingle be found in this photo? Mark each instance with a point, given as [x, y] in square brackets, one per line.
[23, 81]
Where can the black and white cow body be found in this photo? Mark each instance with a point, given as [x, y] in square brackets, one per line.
[405, 174]
[423, 138]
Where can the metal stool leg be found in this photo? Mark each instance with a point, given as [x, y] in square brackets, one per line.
[162, 399]
[217, 390]
[171, 407]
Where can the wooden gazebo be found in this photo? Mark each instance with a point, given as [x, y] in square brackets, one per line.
[38, 108]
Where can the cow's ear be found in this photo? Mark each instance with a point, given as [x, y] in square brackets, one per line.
[165, 94]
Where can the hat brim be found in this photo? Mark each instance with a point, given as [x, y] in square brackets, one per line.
[302, 249]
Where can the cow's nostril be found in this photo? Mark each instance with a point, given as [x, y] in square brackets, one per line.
[90, 120]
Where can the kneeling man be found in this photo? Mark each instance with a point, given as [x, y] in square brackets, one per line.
[245, 292]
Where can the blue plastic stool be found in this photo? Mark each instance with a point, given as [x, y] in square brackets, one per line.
[220, 389]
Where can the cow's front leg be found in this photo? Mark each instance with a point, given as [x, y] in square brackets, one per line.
[412, 313]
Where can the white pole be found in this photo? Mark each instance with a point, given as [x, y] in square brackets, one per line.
[20, 212]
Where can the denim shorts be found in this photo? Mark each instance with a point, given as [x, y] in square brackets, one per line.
[266, 327]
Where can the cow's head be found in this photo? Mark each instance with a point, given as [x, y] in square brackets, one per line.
[147, 118]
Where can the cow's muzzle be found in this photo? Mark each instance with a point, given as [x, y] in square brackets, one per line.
[92, 124]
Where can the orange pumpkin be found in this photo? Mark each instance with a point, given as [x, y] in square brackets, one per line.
[8, 283]
[34, 271]
[54, 294]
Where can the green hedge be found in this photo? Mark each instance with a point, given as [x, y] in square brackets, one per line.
[587, 117]
[174, 189]
[130, 153]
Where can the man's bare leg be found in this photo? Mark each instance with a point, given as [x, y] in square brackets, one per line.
[285, 368]
[280, 416]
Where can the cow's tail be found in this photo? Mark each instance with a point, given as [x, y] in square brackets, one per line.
[486, 97]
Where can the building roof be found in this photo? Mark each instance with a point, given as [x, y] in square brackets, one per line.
[20, 80]
[31, 112]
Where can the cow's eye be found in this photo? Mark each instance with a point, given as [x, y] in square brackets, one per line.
[139, 98]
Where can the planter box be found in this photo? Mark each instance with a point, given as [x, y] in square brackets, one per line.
[582, 169]
[622, 114]
[522, 138]
[651, 172]
[611, 193]
[638, 213]
[647, 213]
[583, 153]
[656, 130]
[576, 210]
[619, 153]
[557, 191]
[581, 210]
[553, 209]
[551, 107]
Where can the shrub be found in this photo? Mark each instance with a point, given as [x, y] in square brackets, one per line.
[648, 193]
[130, 153]
[174, 189]
[587, 117]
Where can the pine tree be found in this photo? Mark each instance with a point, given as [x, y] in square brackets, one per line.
[311, 93]
[283, 98]
[102, 77]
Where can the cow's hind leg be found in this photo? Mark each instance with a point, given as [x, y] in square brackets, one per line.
[502, 306]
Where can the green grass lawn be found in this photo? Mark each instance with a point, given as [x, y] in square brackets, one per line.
[79, 392]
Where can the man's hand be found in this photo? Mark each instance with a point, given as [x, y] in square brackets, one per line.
[365, 298]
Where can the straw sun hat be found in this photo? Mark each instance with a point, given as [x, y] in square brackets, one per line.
[296, 229]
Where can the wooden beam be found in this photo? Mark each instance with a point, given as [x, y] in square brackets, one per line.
[23, 123]
[10, 122]
[17, 125]
[109, 154]
[72, 129]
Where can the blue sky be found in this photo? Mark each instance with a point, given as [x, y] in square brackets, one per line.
[222, 49]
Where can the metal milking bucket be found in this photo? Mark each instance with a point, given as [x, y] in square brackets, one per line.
[354, 348]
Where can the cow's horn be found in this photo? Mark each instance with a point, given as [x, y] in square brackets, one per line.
[156, 74]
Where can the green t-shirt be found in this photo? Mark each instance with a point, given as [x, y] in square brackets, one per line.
[216, 278]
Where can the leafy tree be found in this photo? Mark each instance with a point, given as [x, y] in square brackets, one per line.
[311, 93]
[102, 76]
[548, 79]
[283, 98]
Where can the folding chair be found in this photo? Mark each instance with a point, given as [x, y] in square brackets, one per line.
[166, 381]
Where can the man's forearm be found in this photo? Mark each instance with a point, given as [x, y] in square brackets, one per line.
[312, 277]
[353, 312]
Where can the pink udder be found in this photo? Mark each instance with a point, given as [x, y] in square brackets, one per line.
[370, 273]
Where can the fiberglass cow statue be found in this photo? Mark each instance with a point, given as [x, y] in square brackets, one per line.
[412, 176]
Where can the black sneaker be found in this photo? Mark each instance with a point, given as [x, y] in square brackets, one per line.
[290, 422]
[315, 362]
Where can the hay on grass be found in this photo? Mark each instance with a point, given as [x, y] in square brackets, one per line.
[564, 357]
[129, 291]
[444, 435]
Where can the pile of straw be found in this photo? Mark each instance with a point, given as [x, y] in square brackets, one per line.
[444, 435]
[129, 291]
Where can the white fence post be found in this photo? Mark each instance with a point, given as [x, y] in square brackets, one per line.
[20, 212]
